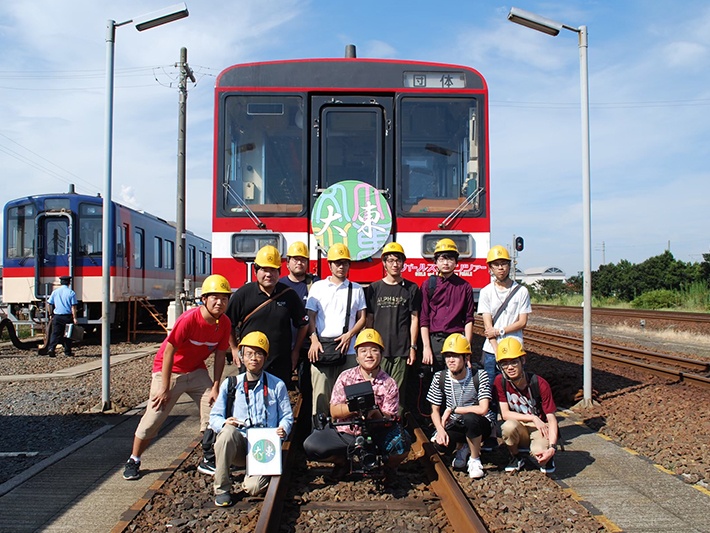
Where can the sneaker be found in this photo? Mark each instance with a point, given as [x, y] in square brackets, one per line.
[475, 468]
[223, 500]
[460, 458]
[516, 464]
[548, 467]
[206, 467]
[132, 469]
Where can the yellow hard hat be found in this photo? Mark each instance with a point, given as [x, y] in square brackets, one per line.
[338, 251]
[268, 256]
[509, 348]
[497, 252]
[298, 249]
[393, 248]
[216, 284]
[255, 339]
[446, 245]
[456, 343]
[369, 335]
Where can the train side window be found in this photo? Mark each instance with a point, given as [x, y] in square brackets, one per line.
[158, 252]
[169, 255]
[90, 222]
[190, 261]
[138, 249]
[120, 241]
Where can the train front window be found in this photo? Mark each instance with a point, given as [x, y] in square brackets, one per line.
[20, 232]
[263, 159]
[351, 140]
[90, 229]
[440, 168]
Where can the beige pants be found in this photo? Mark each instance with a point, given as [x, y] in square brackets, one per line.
[197, 384]
[230, 448]
[518, 435]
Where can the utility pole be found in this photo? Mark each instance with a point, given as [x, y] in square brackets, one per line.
[185, 72]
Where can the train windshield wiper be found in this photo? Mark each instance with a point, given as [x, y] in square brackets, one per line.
[243, 205]
[461, 208]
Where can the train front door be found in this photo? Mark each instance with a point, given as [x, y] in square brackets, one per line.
[54, 251]
[352, 139]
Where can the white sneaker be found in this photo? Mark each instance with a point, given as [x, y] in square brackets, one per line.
[460, 458]
[475, 468]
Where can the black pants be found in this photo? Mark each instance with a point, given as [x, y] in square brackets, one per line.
[469, 425]
[59, 323]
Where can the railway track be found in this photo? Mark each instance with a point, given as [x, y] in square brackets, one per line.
[440, 499]
[674, 316]
[686, 369]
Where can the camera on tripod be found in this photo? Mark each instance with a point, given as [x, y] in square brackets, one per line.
[364, 455]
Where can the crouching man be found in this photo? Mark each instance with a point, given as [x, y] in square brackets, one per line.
[260, 401]
[528, 409]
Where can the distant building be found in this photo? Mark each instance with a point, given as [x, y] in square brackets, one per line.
[532, 275]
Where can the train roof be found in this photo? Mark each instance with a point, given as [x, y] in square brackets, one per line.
[337, 72]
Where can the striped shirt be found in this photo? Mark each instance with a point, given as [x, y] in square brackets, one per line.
[461, 393]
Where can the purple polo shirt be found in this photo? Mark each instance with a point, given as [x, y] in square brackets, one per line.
[450, 307]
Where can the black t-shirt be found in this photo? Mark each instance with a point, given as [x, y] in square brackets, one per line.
[392, 307]
[274, 320]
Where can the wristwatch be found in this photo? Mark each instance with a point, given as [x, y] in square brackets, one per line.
[502, 332]
[553, 446]
[413, 347]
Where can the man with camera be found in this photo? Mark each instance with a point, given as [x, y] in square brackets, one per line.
[260, 401]
[364, 430]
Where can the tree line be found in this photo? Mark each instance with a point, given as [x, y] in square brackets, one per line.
[658, 282]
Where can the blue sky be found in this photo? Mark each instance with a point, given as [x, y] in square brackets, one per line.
[649, 95]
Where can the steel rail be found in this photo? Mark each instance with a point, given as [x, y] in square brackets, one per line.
[693, 365]
[689, 377]
[679, 316]
[458, 508]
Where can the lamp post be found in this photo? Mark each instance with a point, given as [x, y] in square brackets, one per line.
[551, 27]
[144, 22]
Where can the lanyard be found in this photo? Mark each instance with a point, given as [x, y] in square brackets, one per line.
[454, 382]
[246, 397]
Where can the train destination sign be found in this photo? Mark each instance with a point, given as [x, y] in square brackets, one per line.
[435, 80]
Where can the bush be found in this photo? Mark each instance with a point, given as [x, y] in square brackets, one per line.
[658, 299]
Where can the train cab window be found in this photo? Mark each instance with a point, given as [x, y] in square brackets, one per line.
[90, 222]
[439, 157]
[57, 242]
[263, 162]
[20, 231]
[351, 144]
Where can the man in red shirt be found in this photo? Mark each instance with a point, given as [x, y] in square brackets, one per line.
[179, 366]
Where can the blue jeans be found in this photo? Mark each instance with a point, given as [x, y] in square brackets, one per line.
[489, 365]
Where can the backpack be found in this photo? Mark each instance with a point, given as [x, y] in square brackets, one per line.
[209, 436]
[431, 286]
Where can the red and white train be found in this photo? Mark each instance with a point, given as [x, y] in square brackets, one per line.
[360, 151]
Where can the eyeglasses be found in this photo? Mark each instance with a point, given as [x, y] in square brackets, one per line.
[509, 362]
[341, 263]
[252, 355]
[298, 259]
[394, 261]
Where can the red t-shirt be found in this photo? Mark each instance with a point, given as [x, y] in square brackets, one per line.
[194, 340]
[522, 401]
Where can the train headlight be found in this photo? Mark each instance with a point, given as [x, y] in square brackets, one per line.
[245, 244]
[464, 243]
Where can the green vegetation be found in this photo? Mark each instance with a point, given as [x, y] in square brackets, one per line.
[660, 282]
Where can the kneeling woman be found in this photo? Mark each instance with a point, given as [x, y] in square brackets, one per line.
[331, 443]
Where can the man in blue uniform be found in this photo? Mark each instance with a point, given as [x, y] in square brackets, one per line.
[62, 309]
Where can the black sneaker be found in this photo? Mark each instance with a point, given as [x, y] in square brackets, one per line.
[490, 444]
[516, 464]
[223, 500]
[132, 469]
[548, 467]
[206, 467]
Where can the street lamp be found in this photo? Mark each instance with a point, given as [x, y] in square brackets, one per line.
[551, 27]
[144, 22]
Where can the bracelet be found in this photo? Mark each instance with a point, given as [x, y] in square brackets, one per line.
[413, 347]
